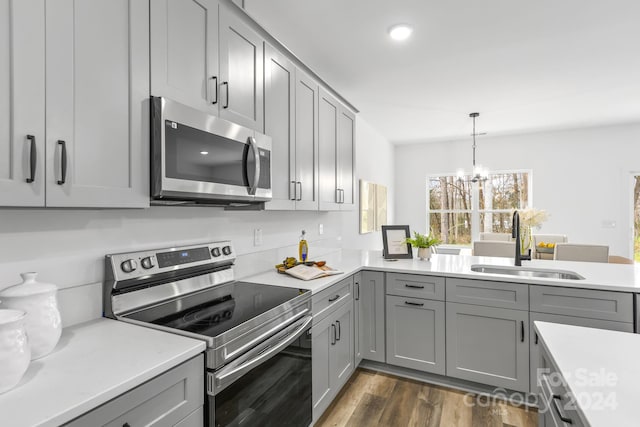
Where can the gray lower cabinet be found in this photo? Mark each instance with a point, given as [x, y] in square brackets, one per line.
[372, 329]
[488, 345]
[534, 353]
[332, 356]
[173, 398]
[416, 333]
[357, 319]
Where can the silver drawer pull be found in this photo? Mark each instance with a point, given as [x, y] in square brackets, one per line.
[417, 304]
[334, 298]
[414, 286]
[563, 417]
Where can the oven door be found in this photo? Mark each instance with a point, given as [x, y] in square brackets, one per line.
[202, 157]
[268, 386]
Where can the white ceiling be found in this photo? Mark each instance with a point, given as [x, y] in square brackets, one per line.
[525, 66]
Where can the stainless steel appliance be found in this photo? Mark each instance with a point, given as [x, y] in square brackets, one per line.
[200, 158]
[258, 357]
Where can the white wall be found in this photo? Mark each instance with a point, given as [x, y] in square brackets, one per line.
[581, 177]
[374, 163]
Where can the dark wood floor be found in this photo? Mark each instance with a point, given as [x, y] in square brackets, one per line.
[376, 399]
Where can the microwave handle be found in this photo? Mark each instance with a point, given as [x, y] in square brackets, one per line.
[256, 159]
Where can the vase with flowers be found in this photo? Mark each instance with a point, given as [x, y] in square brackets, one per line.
[530, 218]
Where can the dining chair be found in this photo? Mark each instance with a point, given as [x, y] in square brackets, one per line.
[581, 252]
[494, 248]
[502, 237]
[546, 238]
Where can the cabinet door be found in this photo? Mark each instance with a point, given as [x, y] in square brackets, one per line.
[22, 102]
[279, 124]
[346, 158]
[323, 341]
[358, 321]
[372, 328]
[534, 352]
[306, 142]
[184, 52]
[416, 334]
[328, 111]
[97, 103]
[341, 360]
[488, 345]
[241, 72]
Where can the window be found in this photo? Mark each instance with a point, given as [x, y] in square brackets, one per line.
[459, 209]
[636, 218]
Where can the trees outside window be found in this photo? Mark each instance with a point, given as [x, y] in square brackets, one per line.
[459, 209]
[636, 218]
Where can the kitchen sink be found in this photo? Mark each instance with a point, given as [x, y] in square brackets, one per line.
[527, 272]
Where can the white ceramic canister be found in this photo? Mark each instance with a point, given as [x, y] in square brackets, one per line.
[40, 302]
[15, 353]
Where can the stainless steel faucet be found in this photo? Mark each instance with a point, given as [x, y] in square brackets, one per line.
[515, 233]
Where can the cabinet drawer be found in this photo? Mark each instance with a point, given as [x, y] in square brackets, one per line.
[617, 306]
[331, 297]
[162, 401]
[491, 294]
[415, 286]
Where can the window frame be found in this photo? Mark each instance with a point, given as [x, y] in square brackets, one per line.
[475, 210]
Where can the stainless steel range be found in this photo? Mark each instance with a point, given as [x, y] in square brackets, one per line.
[258, 358]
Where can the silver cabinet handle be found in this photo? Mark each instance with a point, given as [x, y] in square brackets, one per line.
[357, 291]
[214, 79]
[563, 417]
[256, 159]
[341, 195]
[333, 335]
[339, 331]
[226, 103]
[294, 192]
[300, 194]
[33, 159]
[63, 162]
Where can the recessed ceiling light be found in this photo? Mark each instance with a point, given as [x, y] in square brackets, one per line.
[400, 31]
[204, 153]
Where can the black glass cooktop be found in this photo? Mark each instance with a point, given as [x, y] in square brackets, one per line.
[216, 310]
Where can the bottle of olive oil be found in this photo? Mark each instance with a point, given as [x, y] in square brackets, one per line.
[303, 248]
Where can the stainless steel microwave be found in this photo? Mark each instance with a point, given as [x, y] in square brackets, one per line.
[200, 158]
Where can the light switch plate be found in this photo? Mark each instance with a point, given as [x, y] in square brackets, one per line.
[257, 237]
[320, 229]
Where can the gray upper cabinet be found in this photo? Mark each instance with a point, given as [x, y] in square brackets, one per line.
[346, 158]
[372, 321]
[279, 124]
[184, 52]
[241, 71]
[328, 139]
[97, 108]
[291, 121]
[306, 171]
[416, 333]
[22, 78]
[488, 345]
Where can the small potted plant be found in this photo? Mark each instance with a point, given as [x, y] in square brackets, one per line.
[423, 243]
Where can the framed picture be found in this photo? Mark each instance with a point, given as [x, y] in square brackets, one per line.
[393, 237]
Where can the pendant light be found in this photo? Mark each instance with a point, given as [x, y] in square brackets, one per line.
[478, 174]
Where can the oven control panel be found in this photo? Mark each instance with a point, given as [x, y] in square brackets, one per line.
[133, 265]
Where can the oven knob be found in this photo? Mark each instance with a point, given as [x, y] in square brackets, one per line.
[226, 250]
[128, 266]
[147, 263]
[215, 252]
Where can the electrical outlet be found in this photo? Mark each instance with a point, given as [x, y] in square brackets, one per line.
[257, 237]
[608, 224]
[320, 229]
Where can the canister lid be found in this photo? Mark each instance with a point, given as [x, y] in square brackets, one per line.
[9, 316]
[29, 286]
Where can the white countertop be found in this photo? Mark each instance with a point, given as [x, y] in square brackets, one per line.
[93, 363]
[604, 276]
[598, 366]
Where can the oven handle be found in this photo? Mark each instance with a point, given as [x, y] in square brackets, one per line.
[256, 159]
[262, 337]
[229, 375]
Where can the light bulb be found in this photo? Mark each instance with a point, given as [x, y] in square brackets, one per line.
[400, 32]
